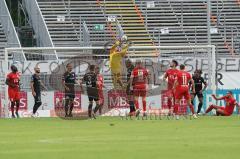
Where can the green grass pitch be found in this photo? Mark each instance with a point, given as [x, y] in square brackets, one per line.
[113, 138]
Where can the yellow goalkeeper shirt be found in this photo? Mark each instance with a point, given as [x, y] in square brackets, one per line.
[116, 59]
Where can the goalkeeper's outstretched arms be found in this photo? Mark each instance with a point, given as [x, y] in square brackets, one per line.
[116, 44]
[124, 50]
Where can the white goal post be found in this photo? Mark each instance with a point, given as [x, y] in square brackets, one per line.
[52, 61]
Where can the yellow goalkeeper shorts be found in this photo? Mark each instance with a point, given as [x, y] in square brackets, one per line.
[116, 79]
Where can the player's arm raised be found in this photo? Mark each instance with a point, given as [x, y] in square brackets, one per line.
[116, 44]
[124, 50]
[217, 98]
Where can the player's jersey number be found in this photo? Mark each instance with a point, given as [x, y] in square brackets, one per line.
[184, 80]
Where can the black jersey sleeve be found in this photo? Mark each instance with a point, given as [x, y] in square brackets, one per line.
[32, 78]
[203, 81]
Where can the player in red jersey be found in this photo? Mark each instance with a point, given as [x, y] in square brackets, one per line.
[230, 105]
[12, 81]
[170, 76]
[100, 85]
[181, 88]
[139, 83]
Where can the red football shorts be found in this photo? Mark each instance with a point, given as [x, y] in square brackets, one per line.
[225, 111]
[182, 92]
[170, 93]
[140, 92]
[13, 95]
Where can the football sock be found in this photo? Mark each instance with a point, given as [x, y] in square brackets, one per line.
[12, 107]
[136, 104]
[132, 108]
[100, 109]
[66, 106]
[71, 108]
[36, 106]
[90, 110]
[169, 103]
[199, 107]
[191, 108]
[144, 105]
[96, 108]
[175, 109]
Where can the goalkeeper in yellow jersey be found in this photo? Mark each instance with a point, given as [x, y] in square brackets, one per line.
[116, 56]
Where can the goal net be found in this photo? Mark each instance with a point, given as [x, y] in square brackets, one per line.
[53, 61]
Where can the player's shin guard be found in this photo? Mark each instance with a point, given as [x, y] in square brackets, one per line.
[96, 108]
[36, 106]
[90, 110]
[136, 103]
[100, 110]
[132, 108]
[169, 103]
[192, 108]
[17, 106]
[209, 109]
[71, 108]
[66, 106]
[144, 105]
[199, 107]
[175, 109]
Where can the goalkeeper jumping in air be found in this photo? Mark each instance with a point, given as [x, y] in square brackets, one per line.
[117, 53]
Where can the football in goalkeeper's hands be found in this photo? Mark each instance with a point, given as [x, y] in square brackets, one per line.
[124, 38]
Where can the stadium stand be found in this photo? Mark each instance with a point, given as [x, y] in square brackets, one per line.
[168, 22]
[187, 23]
[63, 19]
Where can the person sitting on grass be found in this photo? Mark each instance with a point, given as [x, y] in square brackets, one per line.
[228, 109]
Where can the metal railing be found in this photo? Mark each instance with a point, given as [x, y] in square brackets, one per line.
[38, 23]
[85, 35]
[237, 44]
[67, 6]
[9, 30]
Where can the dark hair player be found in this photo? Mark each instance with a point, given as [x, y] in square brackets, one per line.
[198, 83]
